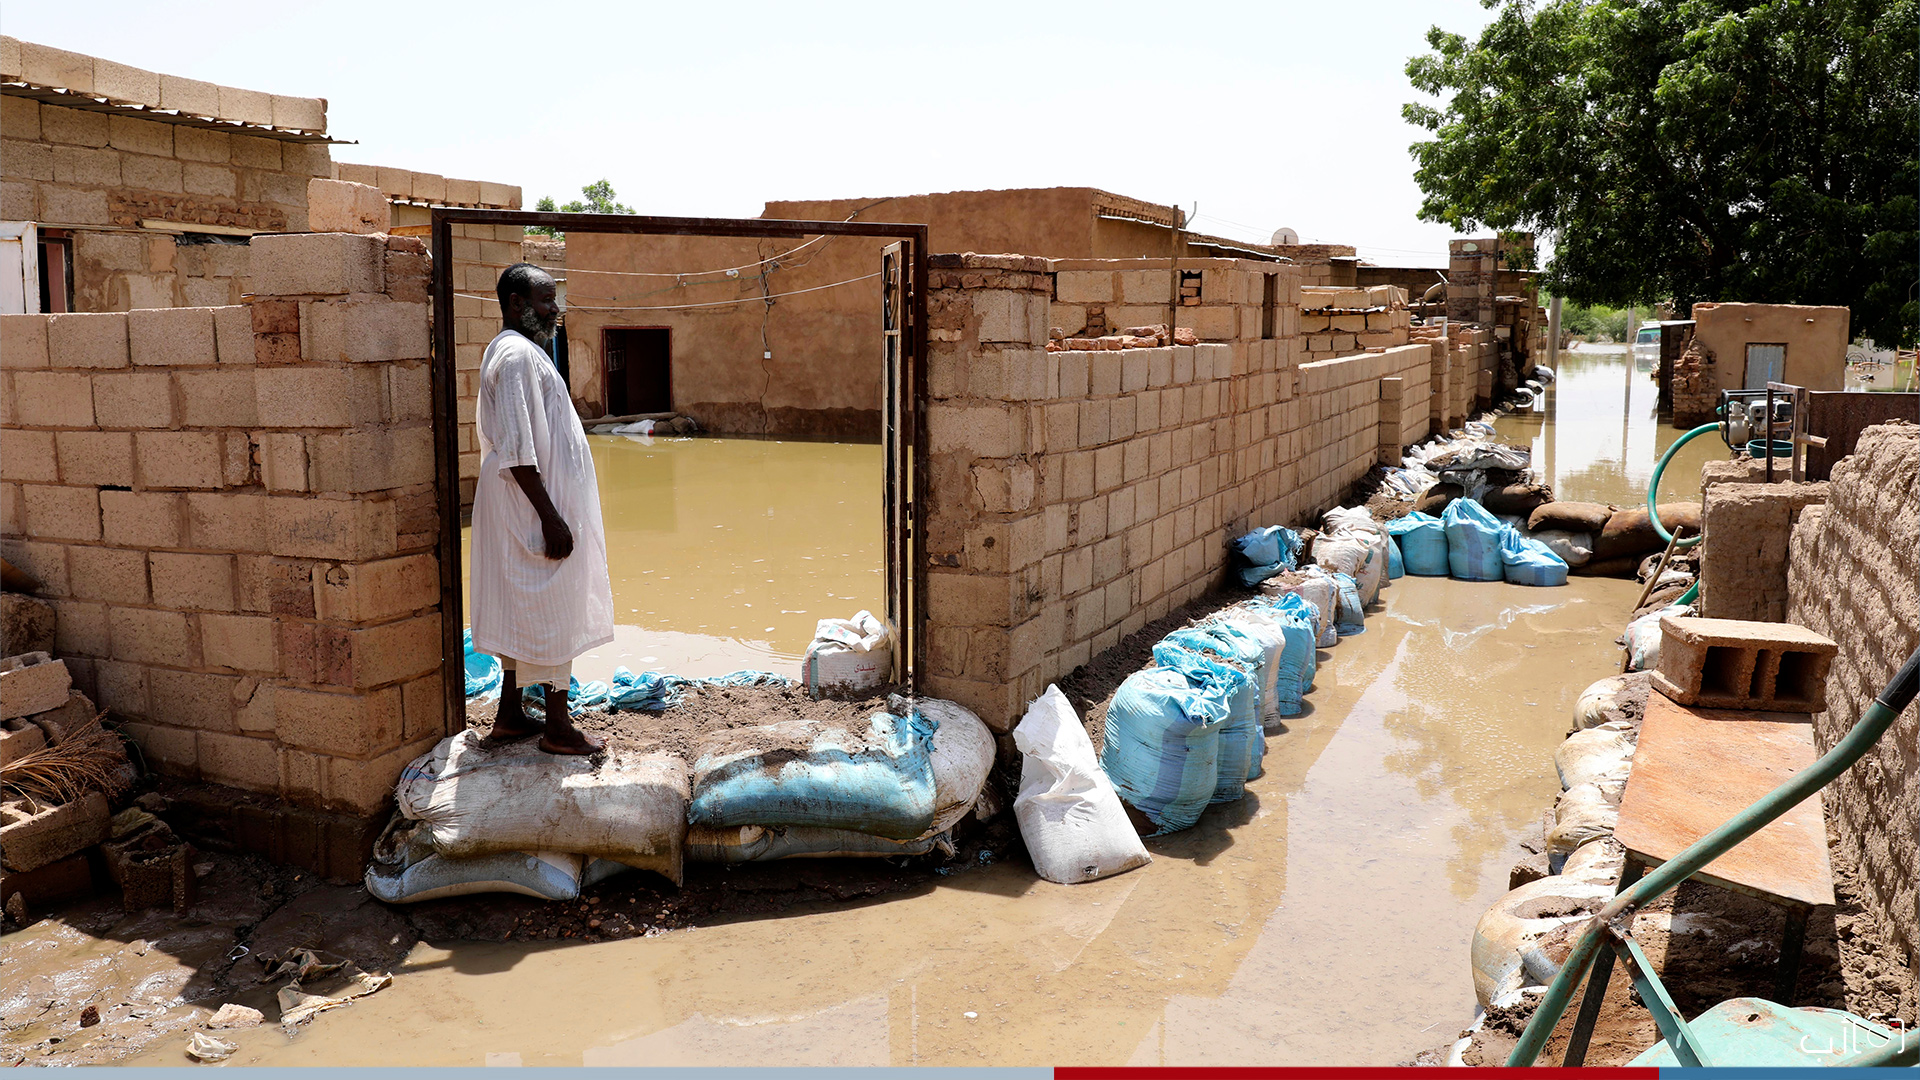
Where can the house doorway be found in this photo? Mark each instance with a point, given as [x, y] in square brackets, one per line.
[638, 369]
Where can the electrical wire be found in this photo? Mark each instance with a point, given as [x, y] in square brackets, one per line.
[700, 273]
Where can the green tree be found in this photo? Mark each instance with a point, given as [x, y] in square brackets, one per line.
[599, 200]
[1688, 149]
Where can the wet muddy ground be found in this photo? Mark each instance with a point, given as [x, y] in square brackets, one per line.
[1390, 813]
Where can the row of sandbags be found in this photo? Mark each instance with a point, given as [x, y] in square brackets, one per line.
[476, 817]
[1593, 764]
[1468, 543]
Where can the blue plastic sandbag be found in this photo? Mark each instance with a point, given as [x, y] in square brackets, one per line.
[1422, 539]
[1530, 562]
[1243, 741]
[1350, 616]
[879, 783]
[1396, 563]
[1473, 541]
[483, 672]
[1265, 552]
[1162, 746]
[1297, 662]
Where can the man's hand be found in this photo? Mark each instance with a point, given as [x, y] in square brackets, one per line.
[553, 528]
[559, 538]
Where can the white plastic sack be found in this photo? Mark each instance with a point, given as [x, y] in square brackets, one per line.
[1356, 523]
[849, 655]
[1069, 815]
[1505, 939]
[1583, 814]
[479, 800]
[1642, 638]
[1608, 699]
[1266, 630]
[1574, 549]
[962, 756]
[1597, 755]
[1319, 589]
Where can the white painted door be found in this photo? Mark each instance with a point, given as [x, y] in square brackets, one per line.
[1765, 363]
[19, 268]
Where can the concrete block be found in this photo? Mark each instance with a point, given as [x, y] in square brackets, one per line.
[43, 65]
[1084, 287]
[61, 513]
[144, 636]
[1733, 664]
[217, 399]
[282, 458]
[246, 106]
[133, 400]
[23, 341]
[115, 575]
[329, 528]
[26, 624]
[172, 337]
[15, 745]
[238, 642]
[338, 206]
[304, 264]
[334, 722]
[194, 582]
[29, 841]
[32, 683]
[180, 459]
[316, 397]
[382, 589]
[240, 761]
[28, 455]
[87, 340]
[96, 457]
[365, 330]
[300, 113]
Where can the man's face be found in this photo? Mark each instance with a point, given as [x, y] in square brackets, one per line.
[540, 315]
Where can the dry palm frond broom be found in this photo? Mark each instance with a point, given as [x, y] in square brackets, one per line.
[89, 759]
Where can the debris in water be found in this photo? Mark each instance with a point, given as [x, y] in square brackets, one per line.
[231, 1015]
[89, 1016]
[204, 1047]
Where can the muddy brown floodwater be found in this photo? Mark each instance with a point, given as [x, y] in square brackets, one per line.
[1323, 919]
[1596, 435]
[724, 552]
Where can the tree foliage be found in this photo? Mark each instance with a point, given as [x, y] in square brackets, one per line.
[599, 200]
[1688, 149]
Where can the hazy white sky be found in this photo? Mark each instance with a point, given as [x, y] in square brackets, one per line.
[1284, 113]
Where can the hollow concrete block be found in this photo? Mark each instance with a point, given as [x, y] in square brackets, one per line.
[1734, 664]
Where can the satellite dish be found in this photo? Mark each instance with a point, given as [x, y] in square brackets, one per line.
[1284, 236]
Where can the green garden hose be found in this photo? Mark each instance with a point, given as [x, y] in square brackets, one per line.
[1653, 486]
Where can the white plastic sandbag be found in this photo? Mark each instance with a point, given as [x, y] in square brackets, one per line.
[1583, 814]
[1504, 952]
[1069, 814]
[1597, 755]
[480, 800]
[962, 756]
[1616, 697]
[1642, 637]
[1574, 548]
[849, 655]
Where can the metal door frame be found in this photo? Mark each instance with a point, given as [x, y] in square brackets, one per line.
[905, 477]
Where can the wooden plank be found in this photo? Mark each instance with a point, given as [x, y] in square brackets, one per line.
[1697, 768]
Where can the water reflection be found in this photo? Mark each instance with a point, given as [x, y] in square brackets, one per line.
[724, 552]
[1596, 434]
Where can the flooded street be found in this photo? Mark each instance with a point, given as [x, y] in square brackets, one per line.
[724, 552]
[1324, 918]
[1596, 435]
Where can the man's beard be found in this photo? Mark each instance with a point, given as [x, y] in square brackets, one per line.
[540, 330]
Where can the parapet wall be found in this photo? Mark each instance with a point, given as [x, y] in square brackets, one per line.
[1853, 573]
[1076, 495]
[233, 511]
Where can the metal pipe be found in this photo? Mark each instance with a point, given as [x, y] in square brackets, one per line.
[1619, 911]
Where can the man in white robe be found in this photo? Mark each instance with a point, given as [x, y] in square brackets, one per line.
[540, 591]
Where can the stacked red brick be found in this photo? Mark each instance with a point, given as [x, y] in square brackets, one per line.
[233, 511]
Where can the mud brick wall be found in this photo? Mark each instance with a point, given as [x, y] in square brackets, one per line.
[1852, 576]
[1076, 495]
[233, 511]
[1743, 560]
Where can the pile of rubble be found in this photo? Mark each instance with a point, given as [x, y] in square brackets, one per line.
[65, 784]
[1133, 337]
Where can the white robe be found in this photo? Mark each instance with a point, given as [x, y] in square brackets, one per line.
[525, 605]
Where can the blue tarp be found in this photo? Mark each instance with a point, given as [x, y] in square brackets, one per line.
[1530, 562]
[1265, 552]
[881, 783]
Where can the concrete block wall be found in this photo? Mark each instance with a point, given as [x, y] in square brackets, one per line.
[1076, 495]
[1853, 572]
[1340, 322]
[233, 512]
[101, 176]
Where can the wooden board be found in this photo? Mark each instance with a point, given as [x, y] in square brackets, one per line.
[1695, 769]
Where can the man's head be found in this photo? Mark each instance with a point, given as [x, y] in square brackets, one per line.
[528, 302]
